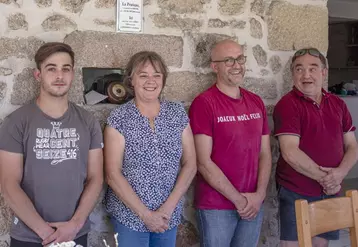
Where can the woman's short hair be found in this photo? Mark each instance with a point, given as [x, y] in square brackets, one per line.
[138, 60]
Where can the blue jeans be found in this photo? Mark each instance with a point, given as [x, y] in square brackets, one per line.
[130, 238]
[225, 228]
[288, 228]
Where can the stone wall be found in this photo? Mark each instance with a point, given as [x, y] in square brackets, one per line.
[183, 33]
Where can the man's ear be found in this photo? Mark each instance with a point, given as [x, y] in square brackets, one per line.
[324, 72]
[37, 74]
[214, 67]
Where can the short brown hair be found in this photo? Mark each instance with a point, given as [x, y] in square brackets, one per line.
[50, 48]
[139, 59]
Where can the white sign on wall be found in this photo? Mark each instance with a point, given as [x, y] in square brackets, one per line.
[129, 16]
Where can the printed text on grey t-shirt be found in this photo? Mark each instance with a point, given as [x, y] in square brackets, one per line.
[56, 144]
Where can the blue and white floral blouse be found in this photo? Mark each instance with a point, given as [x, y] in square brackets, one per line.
[151, 162]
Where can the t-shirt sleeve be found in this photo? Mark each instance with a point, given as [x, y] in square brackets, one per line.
[286, 119]
[96, 135]
[347, 122]
[265, 127]
[11, 133]
[201, 117]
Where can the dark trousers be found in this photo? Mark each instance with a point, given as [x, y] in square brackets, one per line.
[16, 243]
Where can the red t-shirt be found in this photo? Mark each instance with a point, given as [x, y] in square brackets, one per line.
[236, 127]
[320, 128]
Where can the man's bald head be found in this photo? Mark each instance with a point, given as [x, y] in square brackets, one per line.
[219, 49]
[228, 62]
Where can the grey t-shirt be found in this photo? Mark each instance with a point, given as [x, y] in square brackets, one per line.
[55, 155]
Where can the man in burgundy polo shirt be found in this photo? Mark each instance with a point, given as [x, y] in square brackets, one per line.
[234, 158]
[317, 143]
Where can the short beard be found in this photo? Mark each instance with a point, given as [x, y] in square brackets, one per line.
[236, 83]
[52, 94]
[57, 95]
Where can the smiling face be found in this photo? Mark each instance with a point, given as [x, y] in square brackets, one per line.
[55, 74]
[308, 75]
[228, 75]
[147, 81]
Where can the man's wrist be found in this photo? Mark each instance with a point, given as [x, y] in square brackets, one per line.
[343, 172]
[78, 223]
[240, 201]
[44, 231]
[261, 193]
[320, 174]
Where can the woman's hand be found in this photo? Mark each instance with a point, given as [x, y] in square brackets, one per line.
[167, 211]
[156, 221]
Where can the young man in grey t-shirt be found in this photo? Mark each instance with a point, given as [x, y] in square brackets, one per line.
[51, 162]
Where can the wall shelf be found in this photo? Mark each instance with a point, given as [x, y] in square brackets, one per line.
[343, 46]
[343, 68]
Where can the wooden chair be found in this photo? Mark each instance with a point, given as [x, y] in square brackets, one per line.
[327, 215]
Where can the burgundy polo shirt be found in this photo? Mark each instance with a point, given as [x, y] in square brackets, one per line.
[320, 127]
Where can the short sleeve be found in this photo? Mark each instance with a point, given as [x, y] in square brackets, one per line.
[201, 117]
[96, 135]
[114, 119]
[286, 119]
[265, 126]
[347, 122]
[11, 133]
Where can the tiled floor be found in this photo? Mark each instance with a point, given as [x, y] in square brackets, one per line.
[343, 240]
[349, 184]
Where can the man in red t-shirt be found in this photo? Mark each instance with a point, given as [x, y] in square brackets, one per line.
[317, 143]
[232, 142]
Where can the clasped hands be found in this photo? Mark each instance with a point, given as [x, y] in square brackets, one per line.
[331, 182]
[157, 221]
[249, 206]
[59, 232]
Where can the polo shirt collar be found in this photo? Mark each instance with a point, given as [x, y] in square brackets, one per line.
[298, 93]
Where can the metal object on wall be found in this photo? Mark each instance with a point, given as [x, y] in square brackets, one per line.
[107, 82]
[116, 92]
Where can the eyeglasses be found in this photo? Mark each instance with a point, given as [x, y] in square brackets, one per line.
[313, 52]
[230, 61]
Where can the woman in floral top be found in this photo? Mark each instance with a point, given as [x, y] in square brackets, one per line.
[150, 159]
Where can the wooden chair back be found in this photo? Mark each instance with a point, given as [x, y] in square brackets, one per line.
[327, 215]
